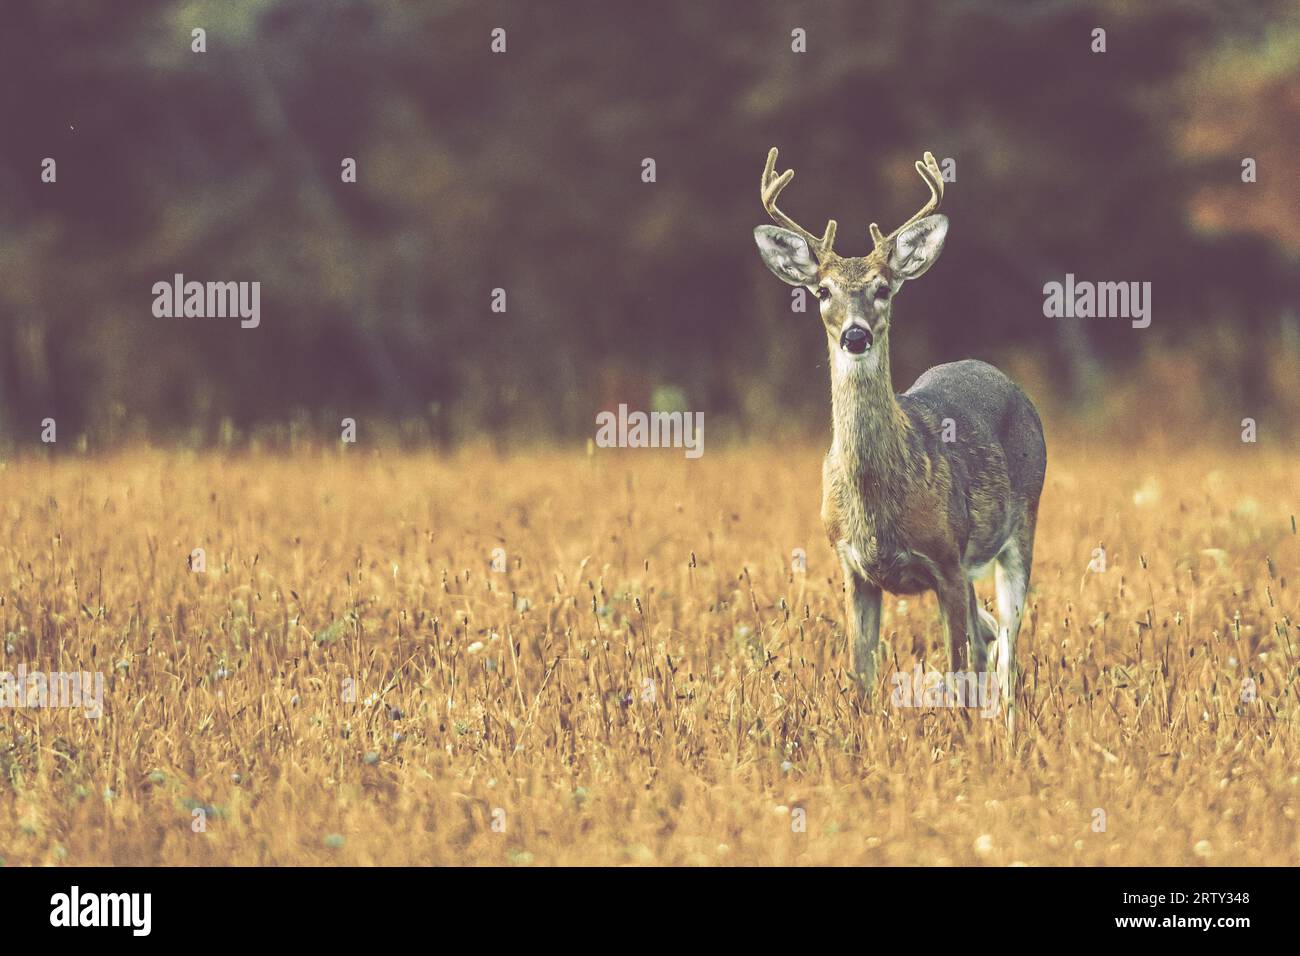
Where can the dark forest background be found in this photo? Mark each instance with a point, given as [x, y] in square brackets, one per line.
[522, 171]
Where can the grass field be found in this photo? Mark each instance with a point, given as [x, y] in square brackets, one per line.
[643, 678]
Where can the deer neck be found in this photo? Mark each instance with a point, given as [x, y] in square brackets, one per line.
[870, 427]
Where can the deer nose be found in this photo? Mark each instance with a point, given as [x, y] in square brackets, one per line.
[855, 339]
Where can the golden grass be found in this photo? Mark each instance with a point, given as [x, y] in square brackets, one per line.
[528, 731]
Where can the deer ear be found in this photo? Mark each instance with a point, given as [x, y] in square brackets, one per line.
[917, 246]
[787, 255]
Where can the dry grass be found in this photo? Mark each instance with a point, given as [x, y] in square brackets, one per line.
[527, 734]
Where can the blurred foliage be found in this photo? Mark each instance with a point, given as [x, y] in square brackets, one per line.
[522, 171]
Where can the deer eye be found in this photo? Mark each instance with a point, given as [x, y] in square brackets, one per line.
[882, 292]
[823, 293]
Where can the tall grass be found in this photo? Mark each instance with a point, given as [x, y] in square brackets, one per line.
[649, 680]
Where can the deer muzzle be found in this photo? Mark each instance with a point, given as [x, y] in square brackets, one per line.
[856, 339]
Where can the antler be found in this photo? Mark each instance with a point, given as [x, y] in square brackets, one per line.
[930, 172]
[771, 188]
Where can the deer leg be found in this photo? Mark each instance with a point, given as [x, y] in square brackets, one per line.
[862, 600]
[1011, 578]
[956, 612]
[983, 633]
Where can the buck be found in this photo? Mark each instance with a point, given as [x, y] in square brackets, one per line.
[927, 489]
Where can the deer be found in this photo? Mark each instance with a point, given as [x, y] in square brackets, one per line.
[923, 490]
